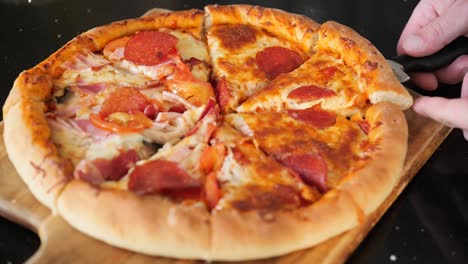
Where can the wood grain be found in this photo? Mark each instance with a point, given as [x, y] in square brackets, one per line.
[61, 243]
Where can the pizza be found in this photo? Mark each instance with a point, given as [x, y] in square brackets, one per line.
[233, 133]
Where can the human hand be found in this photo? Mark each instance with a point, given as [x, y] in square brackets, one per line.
[433, 24]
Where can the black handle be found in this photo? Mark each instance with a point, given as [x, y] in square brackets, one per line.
[437, 60]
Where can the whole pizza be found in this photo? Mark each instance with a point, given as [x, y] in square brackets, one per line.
[233, 133]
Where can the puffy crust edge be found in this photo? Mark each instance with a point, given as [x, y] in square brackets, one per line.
[370, 185]
[376, 76]
[292, 27]
[146, 224]
[28, 138]
[257, 234]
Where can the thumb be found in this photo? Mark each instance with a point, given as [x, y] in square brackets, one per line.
[451, 112]
[438, 33]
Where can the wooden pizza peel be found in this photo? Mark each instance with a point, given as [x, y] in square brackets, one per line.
[62, 243]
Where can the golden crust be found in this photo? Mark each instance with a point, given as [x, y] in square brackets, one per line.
[53, 64]
[372, 184]
[376, 76]
[260, 234]
[28, 138]
[292, 27]
[146, 224]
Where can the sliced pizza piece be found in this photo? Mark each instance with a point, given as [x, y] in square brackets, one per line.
[344, 73]
[375, 76]
[261, 198]
[249, 46]
[330, 151]
[321, 146]
[324, 81]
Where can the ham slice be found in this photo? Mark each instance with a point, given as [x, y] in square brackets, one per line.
[87, 60]
[99, 170]
[159, 175]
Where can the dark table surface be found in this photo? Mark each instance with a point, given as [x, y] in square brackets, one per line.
[427, 224]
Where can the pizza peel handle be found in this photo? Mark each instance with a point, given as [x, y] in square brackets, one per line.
[435, 61]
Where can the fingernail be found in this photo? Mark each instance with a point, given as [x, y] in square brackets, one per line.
[413, 43]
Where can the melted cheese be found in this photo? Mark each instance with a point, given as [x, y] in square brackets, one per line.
[239, 65]
[113, 145]
[190, 47]
[107, 74]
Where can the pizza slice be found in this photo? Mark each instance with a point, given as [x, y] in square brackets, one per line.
[262, 198]
[329, 150]
[345, 73]
[248, 50]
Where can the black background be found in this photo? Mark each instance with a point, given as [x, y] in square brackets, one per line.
[427, 224]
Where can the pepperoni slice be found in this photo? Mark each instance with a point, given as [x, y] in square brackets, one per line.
[311, 167]
[124, 100]
[330, 71]
[314, 116]
[150, 47]
[274, 61]
[310, 92]
[159, 175]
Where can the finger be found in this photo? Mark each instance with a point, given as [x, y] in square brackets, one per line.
[422, 15]
[451, 112]
[455, 72]
[465, 134]
[439, 32]
[425, 12]
[425, 80]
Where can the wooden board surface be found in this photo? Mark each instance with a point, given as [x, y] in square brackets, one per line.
[61, 243]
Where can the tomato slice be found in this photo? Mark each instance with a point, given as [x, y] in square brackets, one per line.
[114, 45]
[126, 100]
[212, 158]
[212, 191]
[122, 122]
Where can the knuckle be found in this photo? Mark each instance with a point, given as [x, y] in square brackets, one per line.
[437, 29]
